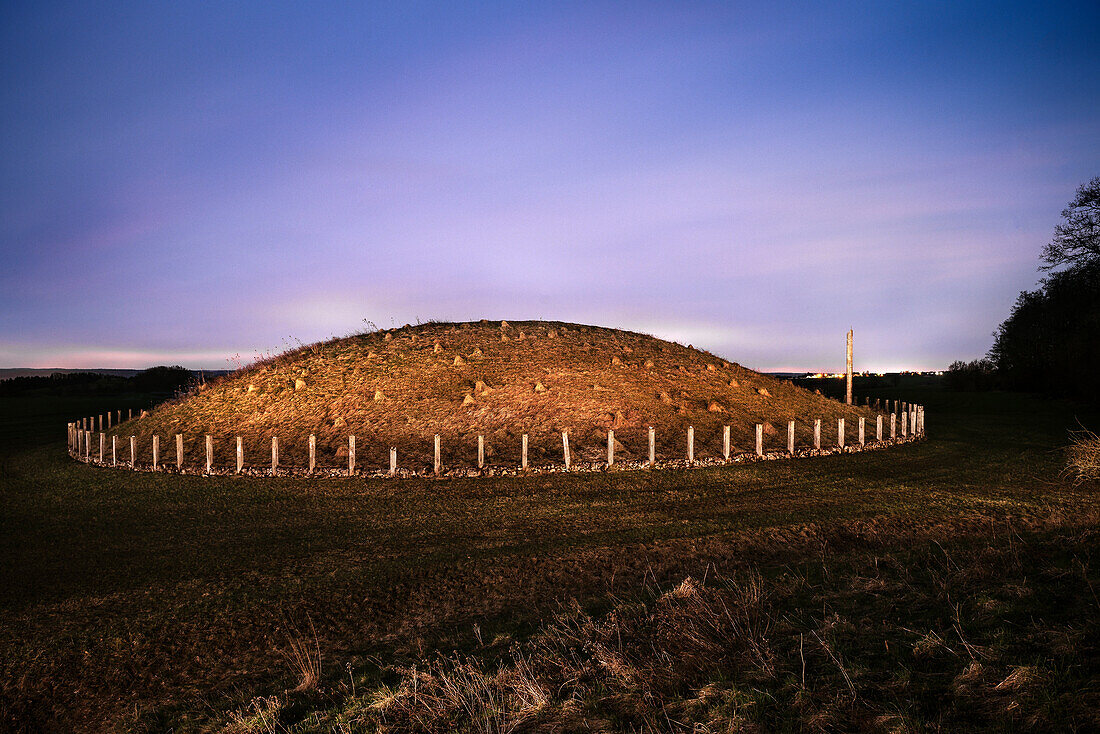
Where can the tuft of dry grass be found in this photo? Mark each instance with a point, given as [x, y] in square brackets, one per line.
[303, 654]
[1083, 456]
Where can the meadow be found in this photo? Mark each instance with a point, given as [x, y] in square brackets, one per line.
[946, 584]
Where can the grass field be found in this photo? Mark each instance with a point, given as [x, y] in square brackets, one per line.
[154, 602]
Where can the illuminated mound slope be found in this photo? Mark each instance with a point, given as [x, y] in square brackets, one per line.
[399, 387]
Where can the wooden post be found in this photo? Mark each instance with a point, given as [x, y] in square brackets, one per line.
[523, 454]
[759, 439]
[862, 440]
[274, 455]
[156, 452]
[893, 426]
[102, 445]
[393, 460]
[129, 414]
[691, 444]
[240, 454]
[652, 447]
[114, 450]
[610, 448]
[817, 434]
[312, 452]
[481, 452]
[790, 437]
[438, 462]
[848, 372]
[351, 456]
[840, 432]
[878, 427]
[209, 453]
[179, 451]
[100, 421]
[904, 425]
[133, 452]
[913, 421]
[565, 449]
[108, 420]
[87, 446]
[120, 417]
[726, 442]
[920, 421]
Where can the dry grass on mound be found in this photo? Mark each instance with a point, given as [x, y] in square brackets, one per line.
[400, 387]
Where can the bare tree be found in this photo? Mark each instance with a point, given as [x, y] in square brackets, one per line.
[1077, 240]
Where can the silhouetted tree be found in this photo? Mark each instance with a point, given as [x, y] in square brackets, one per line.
[1051, 341]
[981, 374]
[162, 379]
[1077, 240]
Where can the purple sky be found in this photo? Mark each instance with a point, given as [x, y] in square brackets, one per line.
[184, 182]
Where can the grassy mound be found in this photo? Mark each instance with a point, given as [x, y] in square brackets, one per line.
[399, 387]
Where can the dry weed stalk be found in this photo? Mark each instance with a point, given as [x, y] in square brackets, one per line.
[304, 655]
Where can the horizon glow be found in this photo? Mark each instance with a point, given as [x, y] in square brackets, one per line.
[187, 182]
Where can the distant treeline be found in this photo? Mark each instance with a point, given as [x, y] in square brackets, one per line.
[1051, 341]
[832, 387]
[157, 380]
[1049, 344]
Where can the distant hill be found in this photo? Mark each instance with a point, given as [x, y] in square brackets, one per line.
[9, 373]
[160, 381]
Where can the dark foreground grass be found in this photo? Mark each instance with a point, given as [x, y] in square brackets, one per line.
[149, 602]
[989, 633]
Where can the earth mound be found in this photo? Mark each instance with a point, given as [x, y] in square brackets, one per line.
[399, 387]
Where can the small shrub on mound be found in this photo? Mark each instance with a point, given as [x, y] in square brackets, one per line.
[1083, 457]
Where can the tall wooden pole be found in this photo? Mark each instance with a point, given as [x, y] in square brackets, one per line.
[848, 372]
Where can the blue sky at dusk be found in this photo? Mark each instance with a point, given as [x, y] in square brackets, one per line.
[182, 182]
